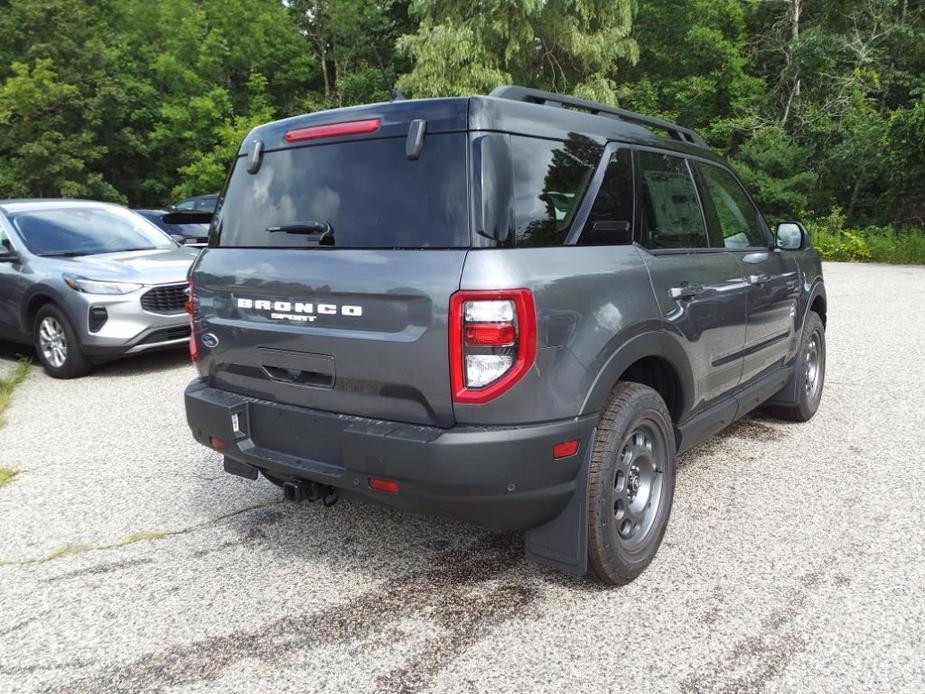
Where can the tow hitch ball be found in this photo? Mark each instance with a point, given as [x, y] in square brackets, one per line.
[304, 490]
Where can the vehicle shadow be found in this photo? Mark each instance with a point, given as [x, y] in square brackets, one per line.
[359, 535]
[138, 364]
[13, 351]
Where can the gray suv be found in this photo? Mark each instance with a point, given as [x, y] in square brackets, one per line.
[516, 309]
[88, 281]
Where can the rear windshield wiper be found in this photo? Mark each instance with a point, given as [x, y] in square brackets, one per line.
[308, 227]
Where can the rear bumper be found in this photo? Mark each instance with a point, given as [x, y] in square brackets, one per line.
[498, 477]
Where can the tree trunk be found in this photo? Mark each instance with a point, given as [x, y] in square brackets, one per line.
[794, 37]
[324, 70]
[849, 213]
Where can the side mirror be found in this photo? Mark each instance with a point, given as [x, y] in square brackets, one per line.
[7, 253]
[791, 236]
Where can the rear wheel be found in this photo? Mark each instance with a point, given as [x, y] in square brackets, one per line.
[809, 370]
[631, 483]
[56, 344]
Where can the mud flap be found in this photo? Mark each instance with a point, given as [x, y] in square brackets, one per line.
[789, 394]
[562, 543]
[233, 467]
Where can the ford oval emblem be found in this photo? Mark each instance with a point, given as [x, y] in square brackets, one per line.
[210, 340]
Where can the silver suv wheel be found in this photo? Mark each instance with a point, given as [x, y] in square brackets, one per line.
[53, 342]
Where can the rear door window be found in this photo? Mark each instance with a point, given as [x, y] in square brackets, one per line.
[729, 209]
[610, 221]
[367, 193]
[670, 208]
[550, 180]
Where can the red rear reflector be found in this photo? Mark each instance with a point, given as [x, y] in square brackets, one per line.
[218, 444]
[355, 127]
[490, 334]
[191, 310]
[380, 485]
[565, 449]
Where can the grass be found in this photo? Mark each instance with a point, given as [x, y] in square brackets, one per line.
[7, 474]
[67, 550]
[8, 384]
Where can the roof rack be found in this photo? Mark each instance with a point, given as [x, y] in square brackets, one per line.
[537, 96]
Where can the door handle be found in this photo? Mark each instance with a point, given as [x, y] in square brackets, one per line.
[758, 279]
[685, 292]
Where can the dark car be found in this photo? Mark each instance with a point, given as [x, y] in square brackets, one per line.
[516, 309]
[199, 203]
[175, 225]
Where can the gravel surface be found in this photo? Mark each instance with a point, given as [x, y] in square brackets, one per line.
[794, 561]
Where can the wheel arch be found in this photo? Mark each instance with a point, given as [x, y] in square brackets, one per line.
[817, 302]
[654, 359]
[33, 303]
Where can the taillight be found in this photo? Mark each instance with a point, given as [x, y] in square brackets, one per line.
[492, 342]
[191, 310]
[314, 132]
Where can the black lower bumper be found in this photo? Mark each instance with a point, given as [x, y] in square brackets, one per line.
[502, 478]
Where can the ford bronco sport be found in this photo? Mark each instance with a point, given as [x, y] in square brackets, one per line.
[515, 309]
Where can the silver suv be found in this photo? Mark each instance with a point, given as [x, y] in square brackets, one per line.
[88, 281]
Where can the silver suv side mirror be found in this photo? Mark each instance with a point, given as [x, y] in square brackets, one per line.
[8, 254]
[791, 236]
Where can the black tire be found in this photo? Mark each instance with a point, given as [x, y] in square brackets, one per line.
[56, 344]
[626, 518]
[809, 372]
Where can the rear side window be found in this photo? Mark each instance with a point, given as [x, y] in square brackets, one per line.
[729, 209]
[671, 215]
[367, 193]
[550, 180]
[610, 222]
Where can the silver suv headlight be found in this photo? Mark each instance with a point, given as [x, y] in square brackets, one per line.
[88, 286]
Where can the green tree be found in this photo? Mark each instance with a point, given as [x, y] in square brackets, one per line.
[693, 68]
[568, 46]
[44, 153]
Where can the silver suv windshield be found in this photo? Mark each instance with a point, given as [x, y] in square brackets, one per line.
[73, 231]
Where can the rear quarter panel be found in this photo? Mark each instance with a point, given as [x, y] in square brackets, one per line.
[589, 300]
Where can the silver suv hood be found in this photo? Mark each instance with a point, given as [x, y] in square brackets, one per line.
[160, 266]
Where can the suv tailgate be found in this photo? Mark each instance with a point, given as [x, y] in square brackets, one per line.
[360, 332]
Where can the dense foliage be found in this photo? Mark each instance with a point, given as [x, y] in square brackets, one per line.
[821, 105]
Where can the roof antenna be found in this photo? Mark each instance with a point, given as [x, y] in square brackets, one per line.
[391, 88]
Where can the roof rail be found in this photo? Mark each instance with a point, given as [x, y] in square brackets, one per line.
[537, 96]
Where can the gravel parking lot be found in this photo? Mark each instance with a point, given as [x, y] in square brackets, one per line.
[794, 560]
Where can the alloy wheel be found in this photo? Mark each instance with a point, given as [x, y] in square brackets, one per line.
[53, 342]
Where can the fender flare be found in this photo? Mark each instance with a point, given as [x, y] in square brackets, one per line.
[817, 290]
[648, 344]
[789, 394]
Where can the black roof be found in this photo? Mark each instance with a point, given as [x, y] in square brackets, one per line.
[509, 109]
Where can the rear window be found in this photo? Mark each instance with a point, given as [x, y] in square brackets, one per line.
[367, 194]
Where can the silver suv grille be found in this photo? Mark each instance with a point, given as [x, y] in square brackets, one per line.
[168, 299]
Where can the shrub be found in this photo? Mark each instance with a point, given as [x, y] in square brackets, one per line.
[879, 244]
